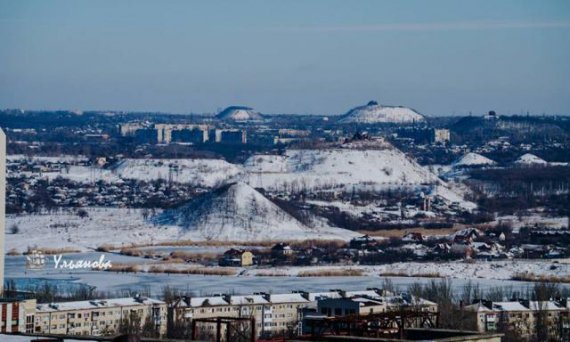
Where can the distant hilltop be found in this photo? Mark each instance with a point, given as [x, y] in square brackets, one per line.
[239, 113]
[376, 113]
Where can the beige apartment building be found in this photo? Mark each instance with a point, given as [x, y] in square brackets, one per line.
[97, 317]
[274, 314]
[521, 318]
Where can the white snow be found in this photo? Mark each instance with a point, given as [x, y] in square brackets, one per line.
[474, 159]
[237, 212]
[375, 113]
[530, 159]
[103, 226]
[335, 168]
[199, 172]
[204, 172]
[239, 113]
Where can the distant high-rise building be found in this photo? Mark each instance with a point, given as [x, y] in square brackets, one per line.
[2, 205]
[441, 136]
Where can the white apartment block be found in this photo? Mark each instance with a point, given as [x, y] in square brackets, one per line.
[97, 317]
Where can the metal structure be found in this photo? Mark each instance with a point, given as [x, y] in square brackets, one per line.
[231, 328]
[386, 324]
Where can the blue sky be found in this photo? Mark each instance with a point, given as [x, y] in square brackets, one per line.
[322, 57]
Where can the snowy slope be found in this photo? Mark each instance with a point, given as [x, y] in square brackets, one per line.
[102, 226]
[336, 167]
[239, 113]
[205, 172]
[530, 159]
[473, 159]
[237, 212]
[375, 113]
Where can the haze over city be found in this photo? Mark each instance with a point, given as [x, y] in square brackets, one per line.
[318, 57]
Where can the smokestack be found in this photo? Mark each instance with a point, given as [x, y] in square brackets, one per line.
[2, 206]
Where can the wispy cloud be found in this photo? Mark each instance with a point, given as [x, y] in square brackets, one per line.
[448, 26]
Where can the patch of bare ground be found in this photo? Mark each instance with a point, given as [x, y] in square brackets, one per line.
[124, 268]
[52, 251]
[404, 274]
[195, 256]
[327, 272]
[13, 252]
[524, 276]
[193, 270]
[271, 273]
[388, 233]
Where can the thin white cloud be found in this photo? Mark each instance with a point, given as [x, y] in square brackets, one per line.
[450, 26]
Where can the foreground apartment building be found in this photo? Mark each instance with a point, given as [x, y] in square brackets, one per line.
[523, 318]
[278, 314]
[96, 317]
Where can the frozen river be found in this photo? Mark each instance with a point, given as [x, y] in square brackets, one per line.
[205, 285]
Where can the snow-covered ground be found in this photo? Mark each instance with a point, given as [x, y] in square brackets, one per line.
[103, 226]
[119, 226]
[238, 212]
[204, 172]
[199, 172]
[500, 270]
[375, 113]
[336, 167]
[473, 159]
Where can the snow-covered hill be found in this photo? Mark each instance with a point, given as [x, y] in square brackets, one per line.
[237, 212]
[375, 113]
[473, 159]
[204, 172]
[239, 113]
[530, 159]
[336, 167]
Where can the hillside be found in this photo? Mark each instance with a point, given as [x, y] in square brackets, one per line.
[530, 159]
[237, 212]
[473, 159]
[203, 172]
[336, 167]
[239, 113]
[375, 113]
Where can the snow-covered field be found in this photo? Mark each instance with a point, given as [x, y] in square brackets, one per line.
[499, 270]
[103, 226]
[119, 226]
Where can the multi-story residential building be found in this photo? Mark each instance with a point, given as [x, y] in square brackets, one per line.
[441, 136]
[522, 318]
[273, 313]
[278, 314]
[366, 304]
[234, 136]
[15, 316]
[98, 317]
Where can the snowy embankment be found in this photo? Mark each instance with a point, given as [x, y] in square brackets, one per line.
[501, 270]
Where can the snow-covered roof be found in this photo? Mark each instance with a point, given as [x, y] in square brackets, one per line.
[313, 296]
[509, 306]
[545, 305]
[253, 299]
[287, 298]
[94, 304]
[207, 301]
